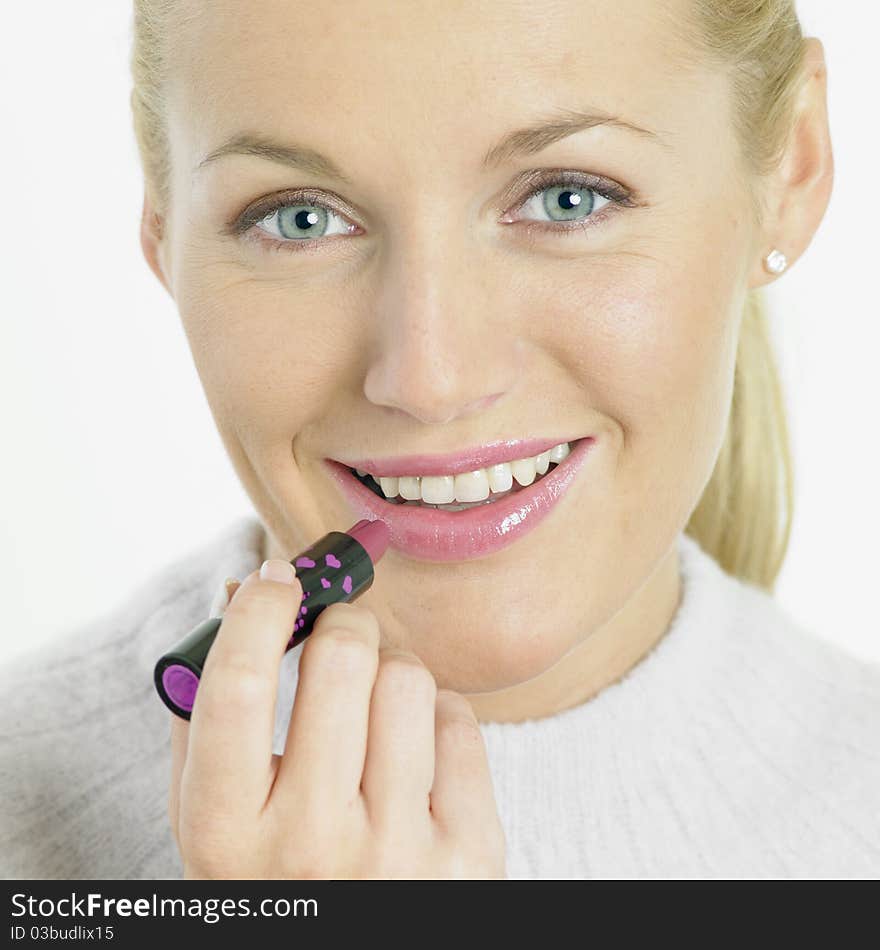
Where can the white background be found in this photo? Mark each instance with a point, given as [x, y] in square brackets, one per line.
[111, 464]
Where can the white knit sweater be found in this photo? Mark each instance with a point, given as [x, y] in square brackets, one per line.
[741, 746]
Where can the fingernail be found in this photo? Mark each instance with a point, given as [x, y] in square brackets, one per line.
[232, 585]
[277, 570]
[221, 598]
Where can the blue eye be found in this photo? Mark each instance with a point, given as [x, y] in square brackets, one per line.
[302, 222]
[571, 201]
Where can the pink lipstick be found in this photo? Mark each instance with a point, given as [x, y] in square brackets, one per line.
[433, 535]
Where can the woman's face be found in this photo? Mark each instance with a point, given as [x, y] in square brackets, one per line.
[410, 318]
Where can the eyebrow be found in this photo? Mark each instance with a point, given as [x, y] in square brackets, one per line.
[566, 122]
[525, 141]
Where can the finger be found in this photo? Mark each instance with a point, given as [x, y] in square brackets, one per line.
[327, 736]
[462, 797]
[399, 768]
[229, 757]
[179, 739]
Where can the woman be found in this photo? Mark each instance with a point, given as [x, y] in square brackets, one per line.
[410, 230]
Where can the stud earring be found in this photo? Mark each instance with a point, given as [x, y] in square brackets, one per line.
[775, 262]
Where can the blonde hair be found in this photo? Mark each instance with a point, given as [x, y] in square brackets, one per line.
[743, 518]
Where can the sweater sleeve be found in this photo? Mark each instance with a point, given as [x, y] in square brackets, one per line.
[85, 760]
[85, 756]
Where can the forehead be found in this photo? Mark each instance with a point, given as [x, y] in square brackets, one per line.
[435, 71]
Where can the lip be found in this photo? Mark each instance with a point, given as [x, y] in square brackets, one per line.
[431, 535]
[456, 463]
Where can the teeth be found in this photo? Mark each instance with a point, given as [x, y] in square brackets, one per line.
[440, 489]
[524, 470]
[408, 487]
[500, 477]
[470, 487]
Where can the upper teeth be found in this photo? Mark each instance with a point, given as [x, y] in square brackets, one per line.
[470, 486]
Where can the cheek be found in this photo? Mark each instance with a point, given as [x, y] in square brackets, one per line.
[653, 348]
[269, 355]
[664, 352]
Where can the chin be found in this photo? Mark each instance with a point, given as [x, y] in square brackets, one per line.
[486, 660]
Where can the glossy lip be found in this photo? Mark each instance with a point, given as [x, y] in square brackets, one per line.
[431, 535]
[456, 463]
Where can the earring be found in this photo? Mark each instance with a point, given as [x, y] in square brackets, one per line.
[776, 262]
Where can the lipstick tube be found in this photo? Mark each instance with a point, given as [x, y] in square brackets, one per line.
[336, 569]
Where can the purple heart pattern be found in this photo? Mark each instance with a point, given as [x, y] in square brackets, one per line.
[331, 561]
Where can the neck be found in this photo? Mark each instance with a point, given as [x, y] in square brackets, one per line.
[601, 659]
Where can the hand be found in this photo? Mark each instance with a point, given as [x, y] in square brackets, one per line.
[383, 775]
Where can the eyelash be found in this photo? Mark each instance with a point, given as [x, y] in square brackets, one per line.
[614, 193]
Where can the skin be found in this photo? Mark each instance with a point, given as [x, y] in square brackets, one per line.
[363, 344]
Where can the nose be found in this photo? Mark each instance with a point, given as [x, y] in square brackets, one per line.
[441, 349]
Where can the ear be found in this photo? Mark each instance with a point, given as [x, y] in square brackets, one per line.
[799, 191]
[154, 243]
